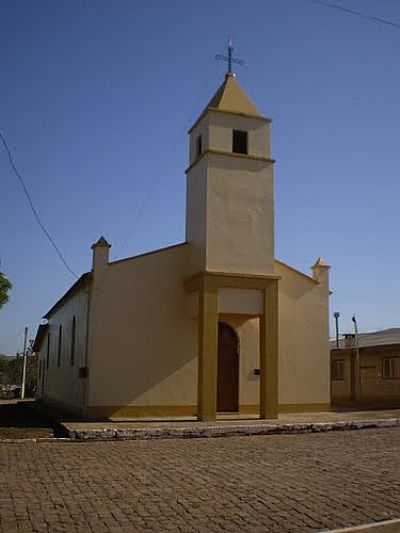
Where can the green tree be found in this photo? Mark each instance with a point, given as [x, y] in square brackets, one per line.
[5, 286]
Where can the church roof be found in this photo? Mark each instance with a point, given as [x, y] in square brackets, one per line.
[231, 98]
[41, 332]
[79, 284]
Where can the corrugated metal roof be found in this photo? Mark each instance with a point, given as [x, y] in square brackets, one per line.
[373, 338]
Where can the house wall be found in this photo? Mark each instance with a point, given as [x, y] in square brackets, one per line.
[375, 389]
[62, 384]
[144, 353]
[342, 388]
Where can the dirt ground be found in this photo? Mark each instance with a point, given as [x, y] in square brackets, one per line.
[19, 420]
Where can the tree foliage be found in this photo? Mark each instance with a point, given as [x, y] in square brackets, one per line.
[5, 287]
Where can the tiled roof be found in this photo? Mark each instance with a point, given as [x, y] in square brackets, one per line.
[374, 338]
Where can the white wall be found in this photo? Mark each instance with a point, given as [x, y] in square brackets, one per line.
[62, 383]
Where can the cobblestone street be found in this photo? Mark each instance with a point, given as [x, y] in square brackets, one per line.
[293, 483]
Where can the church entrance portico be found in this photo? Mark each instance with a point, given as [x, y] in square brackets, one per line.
[208, 285]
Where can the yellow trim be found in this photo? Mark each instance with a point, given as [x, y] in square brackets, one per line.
[229, 280]
[304, 407]
[207, 285]
[140, 411]
[208, 351]
[269, 352]
[288, 408]
[230, 154]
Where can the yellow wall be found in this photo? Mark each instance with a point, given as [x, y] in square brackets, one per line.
[240, 216]
[216, 128]
[145, 347]
[144, 339]
[304, 357]
[230, 199]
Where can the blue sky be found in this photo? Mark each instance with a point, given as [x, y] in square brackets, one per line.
[96, 98]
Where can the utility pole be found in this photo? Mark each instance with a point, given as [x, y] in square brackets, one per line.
[357, 369]
[24, 364]
[337, 315]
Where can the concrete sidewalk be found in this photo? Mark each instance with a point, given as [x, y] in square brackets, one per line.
[229, 425]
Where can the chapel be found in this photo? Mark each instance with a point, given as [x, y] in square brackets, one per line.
[215, 324]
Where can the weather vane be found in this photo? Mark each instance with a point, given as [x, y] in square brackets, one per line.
[229, 58]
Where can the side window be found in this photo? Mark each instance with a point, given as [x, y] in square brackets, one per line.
[391, 368]
[239, 142]
[48, 351]
[59, 345]
[73, 336]
[338, 370]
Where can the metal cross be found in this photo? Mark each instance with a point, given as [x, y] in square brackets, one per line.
[229, 59]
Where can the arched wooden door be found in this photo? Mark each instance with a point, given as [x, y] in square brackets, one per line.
[228, 369]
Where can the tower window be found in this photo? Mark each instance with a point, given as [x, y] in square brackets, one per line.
[199, 146]
[239, 142]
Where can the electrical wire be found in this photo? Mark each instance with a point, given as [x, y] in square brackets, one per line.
[378, 20]
[33, 208]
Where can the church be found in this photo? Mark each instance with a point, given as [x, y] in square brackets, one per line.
[209, 326]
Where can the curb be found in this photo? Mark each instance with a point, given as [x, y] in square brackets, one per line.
[35, 439]
[386, 526]
[226, 430]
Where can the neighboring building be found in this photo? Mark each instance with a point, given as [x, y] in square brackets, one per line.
[195, 328]
[379, 369]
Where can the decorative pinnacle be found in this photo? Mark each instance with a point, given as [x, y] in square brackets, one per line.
[101, 243]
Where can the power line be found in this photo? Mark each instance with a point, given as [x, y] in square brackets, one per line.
[33, 208]
[378, 20]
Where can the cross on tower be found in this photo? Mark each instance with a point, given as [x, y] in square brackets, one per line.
[229, 59]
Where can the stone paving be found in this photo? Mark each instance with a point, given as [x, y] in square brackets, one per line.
[297, 483]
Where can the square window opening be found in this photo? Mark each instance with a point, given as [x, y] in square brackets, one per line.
[240, 142]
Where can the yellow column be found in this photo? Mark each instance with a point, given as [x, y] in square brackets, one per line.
[208, 353]
[269, 353]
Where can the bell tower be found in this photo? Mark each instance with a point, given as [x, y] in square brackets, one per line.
[230, 190]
